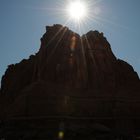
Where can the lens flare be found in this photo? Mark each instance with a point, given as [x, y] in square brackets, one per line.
[60, 134]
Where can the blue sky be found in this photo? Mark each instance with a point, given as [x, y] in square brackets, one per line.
[22, 23]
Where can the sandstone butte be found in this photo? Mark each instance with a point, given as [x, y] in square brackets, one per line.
[74, 87]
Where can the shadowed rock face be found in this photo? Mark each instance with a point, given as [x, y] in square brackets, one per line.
[71, 75]
[71, 61]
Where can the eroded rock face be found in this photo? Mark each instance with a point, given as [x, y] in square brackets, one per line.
[78, 76]
[71, 61]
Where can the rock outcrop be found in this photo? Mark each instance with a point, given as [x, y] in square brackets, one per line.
[72, 75]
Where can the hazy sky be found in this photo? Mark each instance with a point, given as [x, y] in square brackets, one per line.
[22, 23]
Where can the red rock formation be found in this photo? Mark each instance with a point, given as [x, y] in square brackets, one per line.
[73, 76]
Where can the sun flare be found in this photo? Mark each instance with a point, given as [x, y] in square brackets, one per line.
[77, 10]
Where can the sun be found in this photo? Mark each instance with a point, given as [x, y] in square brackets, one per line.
[77, 10]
